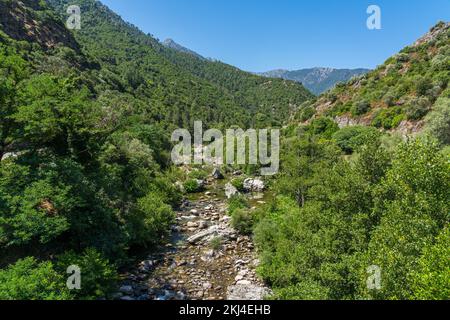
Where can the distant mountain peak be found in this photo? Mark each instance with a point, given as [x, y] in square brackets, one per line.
[317, 80]
[170, 43]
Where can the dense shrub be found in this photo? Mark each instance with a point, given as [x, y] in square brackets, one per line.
[98, 276]
[355, 215]
[350, 138]
[193, 186]
[242, 220]
[150, 221]
[238, 183]
[388, 118]
[31, 280]
[418, 108]
[431, 281]
[438, 121]
[323, 126]
[360, 108]
[237, 202]
[198, 174]
[306, 113]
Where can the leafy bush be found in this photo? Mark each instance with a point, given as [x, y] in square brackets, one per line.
[418, 108]
[306, 113]
[98, 276]
[150, 221]
[438, 121]
[432, 279]
[422, 86]
[198, 174]
[360, 108]
[192, 186]
[31, 280]
[388, 118]
[216, 243]
[237, 202]
[350, 138]
[238, 183]
[242, 220]
[323, 126]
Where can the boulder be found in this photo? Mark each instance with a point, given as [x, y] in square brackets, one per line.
[254, 185]
[202, 234]
[230, 190]
[201, 183]
[216, 174]
[126, 290]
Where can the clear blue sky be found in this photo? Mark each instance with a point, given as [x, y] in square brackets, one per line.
[260, 35]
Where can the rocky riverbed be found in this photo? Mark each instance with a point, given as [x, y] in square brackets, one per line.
[206, 260]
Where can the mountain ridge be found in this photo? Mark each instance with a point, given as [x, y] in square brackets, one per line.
[170, 43]
[318, 79]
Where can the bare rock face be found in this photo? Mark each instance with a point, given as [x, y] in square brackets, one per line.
[244, 290]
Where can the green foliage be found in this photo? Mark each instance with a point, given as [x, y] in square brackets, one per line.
[238, 183]
[192, 186]
[431, 281]
[418, 108]
[438, 121]
[388, 118]
[30, 280]
[350, 138]
[411, 207]
[198, 174]
[237, 202]
[323, 126]
[354, 215]
[150, 221]
[216, 243]
[306, 113]
[360, 108]
[98, 276]
[242, 221]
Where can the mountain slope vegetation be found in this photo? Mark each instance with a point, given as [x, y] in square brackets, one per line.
[360, 211]
[182, 84]
[400, 93]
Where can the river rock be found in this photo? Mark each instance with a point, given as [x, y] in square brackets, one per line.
[246, 291]
[202, 234]
[230, 190]
[254, 185]
[216, 174]
[126, 290]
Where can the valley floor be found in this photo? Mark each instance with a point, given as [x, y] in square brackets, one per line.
[206, 260]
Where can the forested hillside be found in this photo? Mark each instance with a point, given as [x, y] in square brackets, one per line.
[179, 86]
